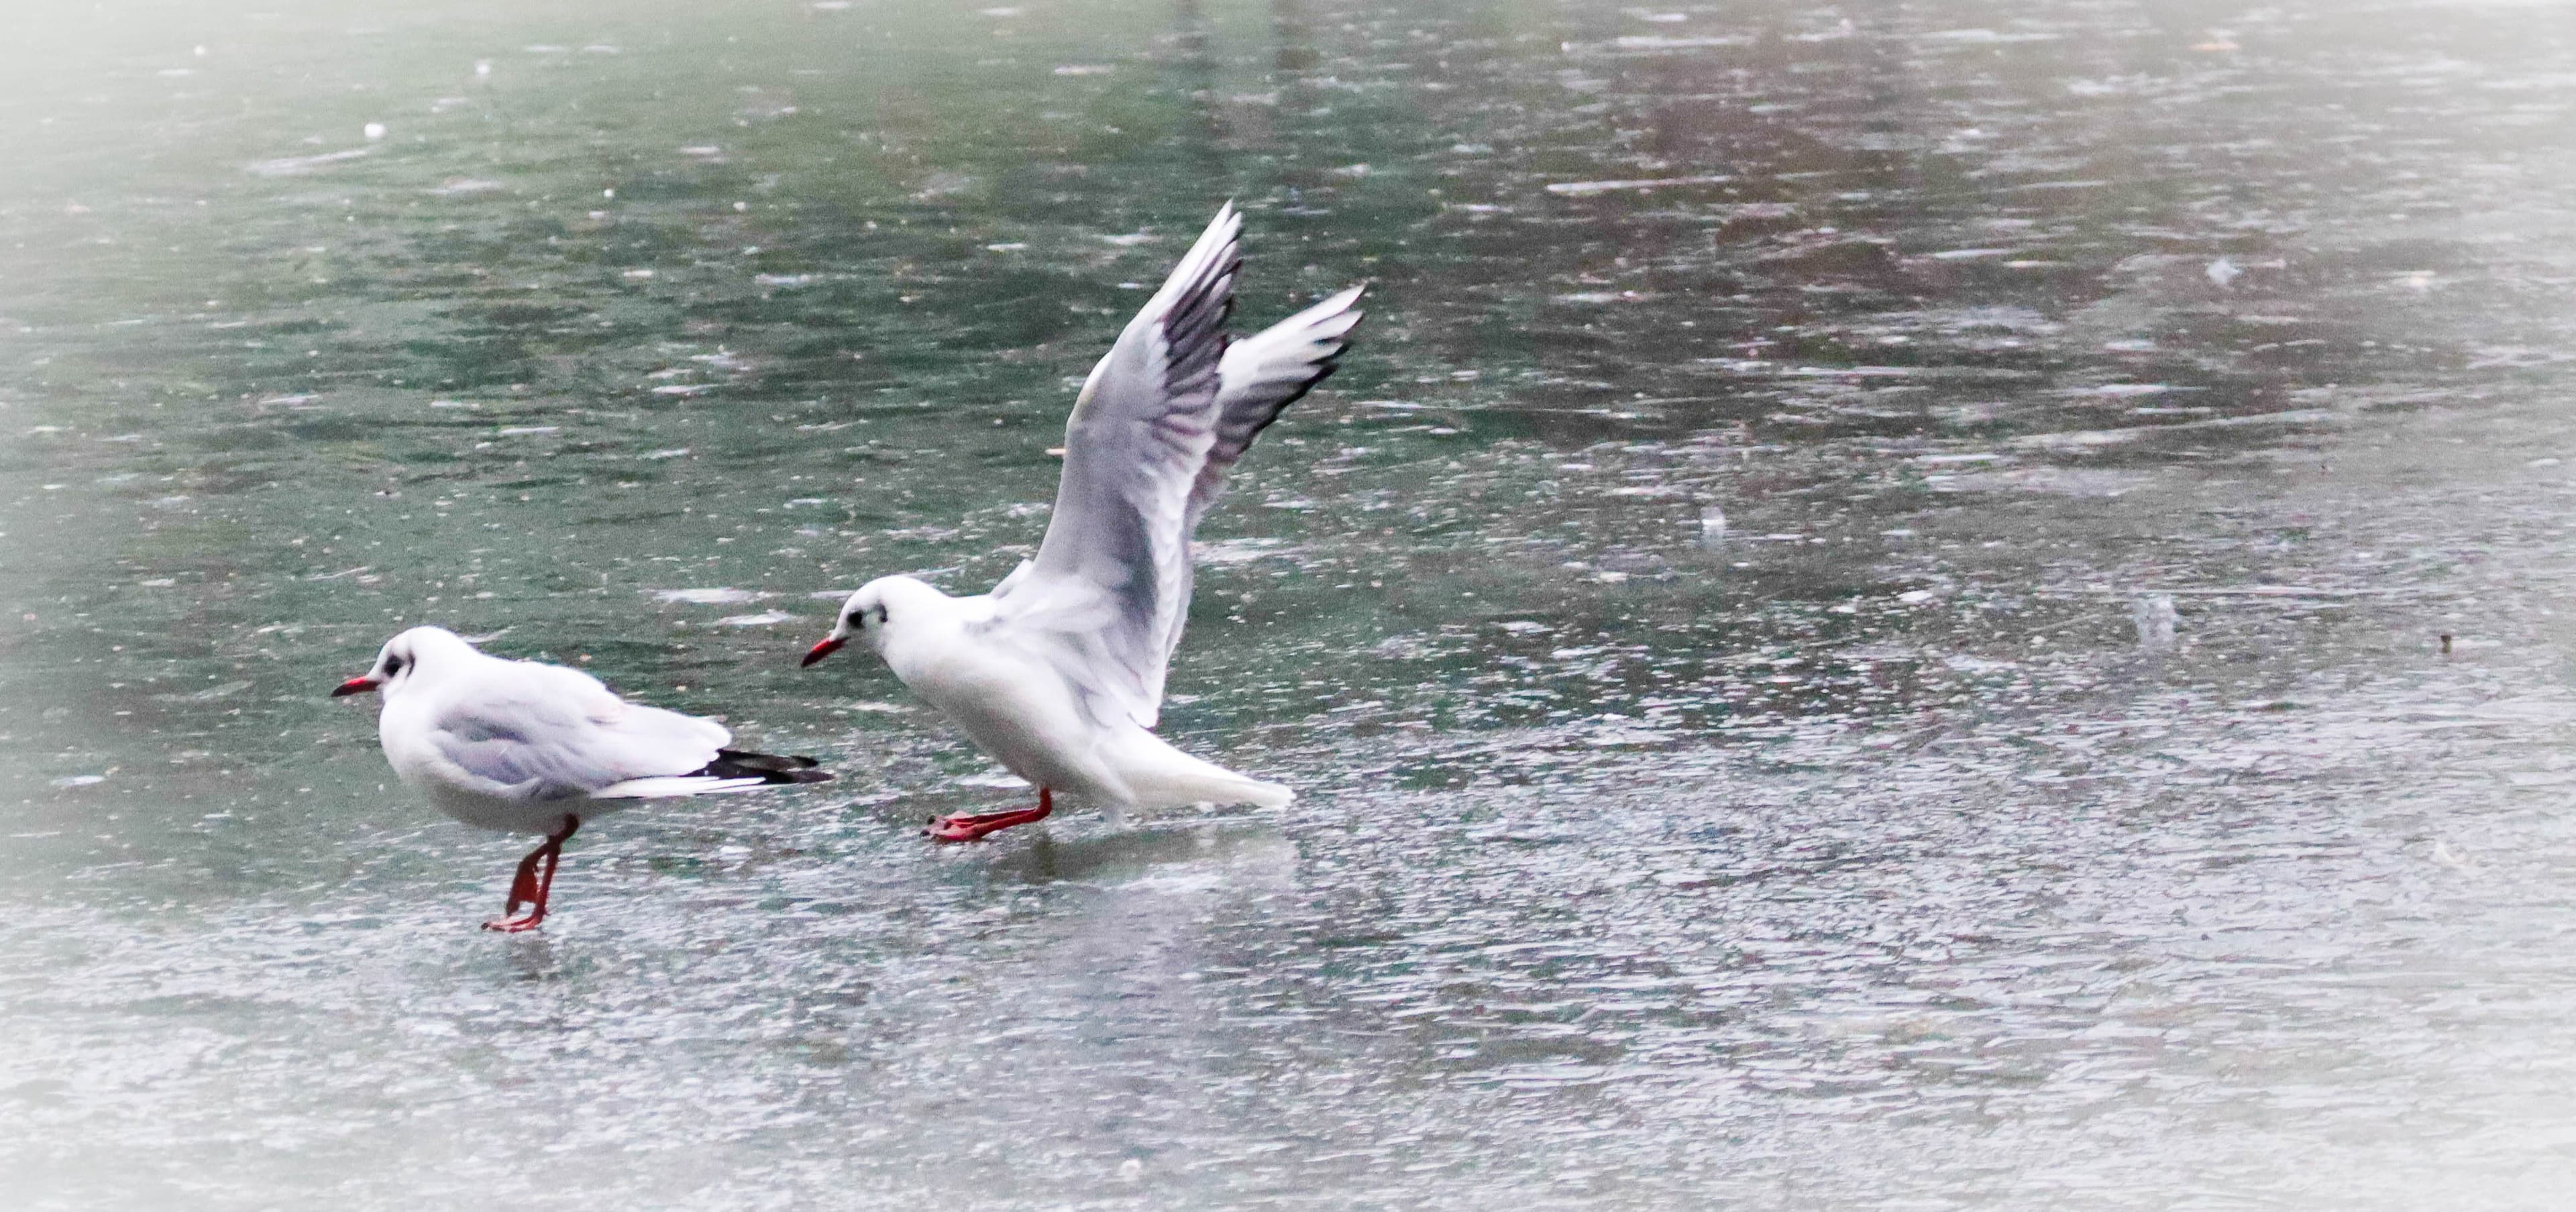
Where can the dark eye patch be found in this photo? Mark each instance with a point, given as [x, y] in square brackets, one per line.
[393, 665]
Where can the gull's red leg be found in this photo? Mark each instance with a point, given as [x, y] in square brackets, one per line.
[966, 827]
[523, 886]
[531, 887]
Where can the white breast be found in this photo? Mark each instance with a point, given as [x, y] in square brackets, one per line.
[1016, 709]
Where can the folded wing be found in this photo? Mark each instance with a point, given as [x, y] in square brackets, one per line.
[546, 732]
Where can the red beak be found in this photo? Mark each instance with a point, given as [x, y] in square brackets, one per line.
[356, 685]
[824, 649]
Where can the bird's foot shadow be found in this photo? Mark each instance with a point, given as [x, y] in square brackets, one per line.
[1239, 846]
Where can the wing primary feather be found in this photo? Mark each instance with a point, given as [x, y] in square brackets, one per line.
[774, 770]
[1262, 375]
[1110, 582]
[732, 770]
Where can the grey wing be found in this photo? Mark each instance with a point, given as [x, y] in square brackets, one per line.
[545, 732]
[1110, 583]
[1261, 376]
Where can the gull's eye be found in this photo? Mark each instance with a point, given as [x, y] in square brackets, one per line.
[857, 619]
[393, 665]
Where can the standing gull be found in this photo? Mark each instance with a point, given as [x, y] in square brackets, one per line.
[524, 747]
[1058, 672]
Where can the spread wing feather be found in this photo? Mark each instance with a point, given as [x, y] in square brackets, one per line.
[1110, 583]
[1160, 421]
[1261, 376]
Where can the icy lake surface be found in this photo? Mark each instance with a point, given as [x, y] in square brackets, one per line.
[1864, 629]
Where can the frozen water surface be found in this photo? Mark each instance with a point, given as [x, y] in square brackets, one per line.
[1864, 630]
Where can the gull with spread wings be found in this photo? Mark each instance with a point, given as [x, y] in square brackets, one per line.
[1058, 672]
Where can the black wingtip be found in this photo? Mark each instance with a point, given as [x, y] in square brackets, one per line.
[772, 768]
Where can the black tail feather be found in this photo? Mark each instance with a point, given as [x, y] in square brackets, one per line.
[767, 767]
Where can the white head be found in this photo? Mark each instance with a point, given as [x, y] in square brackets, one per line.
[881, 612]
[415, 656]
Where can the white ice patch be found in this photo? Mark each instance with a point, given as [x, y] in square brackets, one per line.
[996, 777]
[1237, 551]
[296, 166]
[1585, 189]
